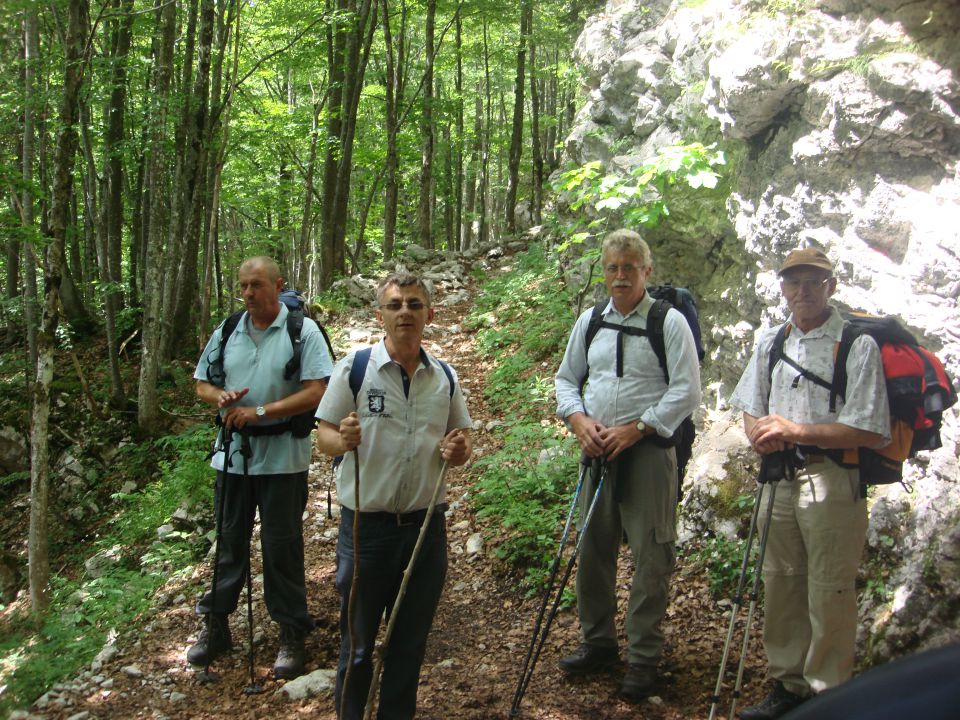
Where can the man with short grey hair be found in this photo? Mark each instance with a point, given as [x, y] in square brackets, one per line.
[256, 401]
[628, 417]
[819, 523]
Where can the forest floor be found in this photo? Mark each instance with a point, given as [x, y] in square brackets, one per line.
[479, 638]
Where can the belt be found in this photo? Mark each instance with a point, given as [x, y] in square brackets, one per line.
[810, 455]
[414, 517]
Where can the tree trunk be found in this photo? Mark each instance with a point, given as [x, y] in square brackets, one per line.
[148, 410]
[485, 163]
[424, 211]
[458, 156]
[64, 160]
[516, 136]
[536, 197]
[393, 85]
[199, 141]
[470, 199]
[31, 44]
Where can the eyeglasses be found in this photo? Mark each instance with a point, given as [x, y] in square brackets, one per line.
[615, 269]
[395, 305]
[792, 285]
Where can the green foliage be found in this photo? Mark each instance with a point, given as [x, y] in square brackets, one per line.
[522, 320]
[85, 609]
[641, 198]
[722, 559]
[528, 498]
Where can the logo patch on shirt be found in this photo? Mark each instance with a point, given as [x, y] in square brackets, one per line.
[376, 401]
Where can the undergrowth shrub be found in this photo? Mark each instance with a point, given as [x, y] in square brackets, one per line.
[84, 609]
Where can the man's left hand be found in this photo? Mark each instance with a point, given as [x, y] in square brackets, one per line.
[238, 417]
[618, 438]
[453, 448]
[773, 432]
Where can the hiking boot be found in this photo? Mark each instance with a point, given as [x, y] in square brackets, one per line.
[776, 704]
[638, 682]
[589, 659]
[214, 640]
[292, 655]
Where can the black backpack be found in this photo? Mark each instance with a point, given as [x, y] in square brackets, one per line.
[918, 391]
[665, 297]
[301, 424]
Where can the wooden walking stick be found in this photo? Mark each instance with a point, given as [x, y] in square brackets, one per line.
[408, 571]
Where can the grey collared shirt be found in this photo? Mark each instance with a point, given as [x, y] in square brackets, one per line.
[642, 393]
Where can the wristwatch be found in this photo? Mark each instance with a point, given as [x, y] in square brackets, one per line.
[261, 411]
[642, 427]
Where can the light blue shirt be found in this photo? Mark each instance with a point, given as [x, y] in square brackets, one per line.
[261, 370]
[642, 393]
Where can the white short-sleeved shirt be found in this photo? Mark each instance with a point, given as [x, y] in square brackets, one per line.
[642, 393]
[400, 429]
[804, 401]
[260, 368]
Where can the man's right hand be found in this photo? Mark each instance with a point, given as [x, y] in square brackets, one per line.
[588, 432]
[229, 397]
[350, 431]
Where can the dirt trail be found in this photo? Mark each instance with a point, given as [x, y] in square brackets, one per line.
[476, 647]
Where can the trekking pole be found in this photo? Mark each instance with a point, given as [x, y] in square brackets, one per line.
[737, 602]
[601, 467]
[408, 571]
[354, 581]
[548, 590]
[245, 451]
[788, 473]
[773, 467]
[206, 676]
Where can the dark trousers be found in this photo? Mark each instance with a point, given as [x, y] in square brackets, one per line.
[281, 500]
[385, 550]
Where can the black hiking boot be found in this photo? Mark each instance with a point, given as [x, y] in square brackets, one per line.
[292, 655]
[213, 641]
[638, 682]
[589, 659]
[776, 704]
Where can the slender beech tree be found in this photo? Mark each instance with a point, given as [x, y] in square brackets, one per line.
[148, 409]
[64, 159]
[424, 210]
[516, 137]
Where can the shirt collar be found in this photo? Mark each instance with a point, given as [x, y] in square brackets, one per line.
[278, 321]
[832, 327]
[642, 308]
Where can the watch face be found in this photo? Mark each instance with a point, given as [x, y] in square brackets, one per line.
[261, 410]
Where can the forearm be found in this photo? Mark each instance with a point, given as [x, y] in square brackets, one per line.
[835, 436]
[306, 398]
[329, 441]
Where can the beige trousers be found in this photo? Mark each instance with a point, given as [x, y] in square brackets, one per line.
[817, 535]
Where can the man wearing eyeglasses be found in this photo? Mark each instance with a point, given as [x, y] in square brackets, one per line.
[819, 522]
[628, 415]
[405, 414]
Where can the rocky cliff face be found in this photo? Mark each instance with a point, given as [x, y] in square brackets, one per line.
[841, 119]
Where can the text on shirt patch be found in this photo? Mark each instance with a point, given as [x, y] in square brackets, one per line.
[375, 401]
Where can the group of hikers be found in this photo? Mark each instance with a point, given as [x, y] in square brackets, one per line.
[397, 417]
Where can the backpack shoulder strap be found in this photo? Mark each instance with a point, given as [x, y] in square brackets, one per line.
[655, 320]
[449, 373]
[295, 330]
[596, 317]
[359, 368]
[216, 374]
[776, 349]
[838, 388]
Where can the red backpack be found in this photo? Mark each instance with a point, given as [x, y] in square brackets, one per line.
[918, 390]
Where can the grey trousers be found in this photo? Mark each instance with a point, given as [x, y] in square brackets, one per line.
[639, 498]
